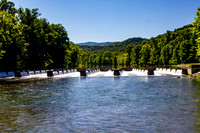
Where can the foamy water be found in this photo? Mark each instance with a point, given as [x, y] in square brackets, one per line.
[162, 72]
[134, 72]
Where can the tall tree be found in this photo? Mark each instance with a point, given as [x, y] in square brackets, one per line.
[196, 30]
[12, 42]
[107, 58]
[59, 45]
[129, 51]
[135, 55]
[28, 20]
[71, 57]
[144, 53]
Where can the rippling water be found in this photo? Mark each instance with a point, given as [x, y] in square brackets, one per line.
[101, 104]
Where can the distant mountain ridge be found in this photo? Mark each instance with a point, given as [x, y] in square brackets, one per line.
[94, 43]
[115, 46]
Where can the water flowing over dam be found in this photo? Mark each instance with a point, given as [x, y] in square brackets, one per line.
[93, 73]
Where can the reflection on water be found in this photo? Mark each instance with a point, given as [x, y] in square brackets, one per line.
[100, 104]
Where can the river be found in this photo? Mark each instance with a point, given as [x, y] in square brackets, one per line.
[101, 103]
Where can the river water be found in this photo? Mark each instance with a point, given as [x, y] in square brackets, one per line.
[101, 103]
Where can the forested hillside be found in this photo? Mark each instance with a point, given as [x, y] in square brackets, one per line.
[171, 48]
[116, 46]
[94, 43]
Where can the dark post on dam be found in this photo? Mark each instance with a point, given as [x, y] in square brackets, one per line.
[50, 73]
[83, 73]
[150, 71]
[18, 74]
[116, 73]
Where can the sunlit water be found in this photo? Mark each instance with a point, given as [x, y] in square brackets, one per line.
[101, 102]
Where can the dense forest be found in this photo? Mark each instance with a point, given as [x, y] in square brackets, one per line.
[115, 46]
[173, 47]
[28, 41]
[94, 43]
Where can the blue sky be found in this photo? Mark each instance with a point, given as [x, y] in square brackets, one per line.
[114, 20]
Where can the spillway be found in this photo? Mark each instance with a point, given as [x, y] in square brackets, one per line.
[96, 73]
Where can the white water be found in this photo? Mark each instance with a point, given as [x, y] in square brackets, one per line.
[160, 72]
[134, 72]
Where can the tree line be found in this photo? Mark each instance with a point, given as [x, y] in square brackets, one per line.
[180, 46]
[115, 46]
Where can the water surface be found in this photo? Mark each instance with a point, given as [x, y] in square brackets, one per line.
[101, 104]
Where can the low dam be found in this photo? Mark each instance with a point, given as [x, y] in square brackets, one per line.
[93, 72]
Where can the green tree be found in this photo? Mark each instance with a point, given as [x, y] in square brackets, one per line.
[8, 6]
[114, 59]
[135, 55]
[144, 53]
[82, 59]
[71, 57]
[59, 43]
[13, 46]
[166, 54]
[107, 58]
[129, 51]
[29, 25]
[174, 59]
[196, 30]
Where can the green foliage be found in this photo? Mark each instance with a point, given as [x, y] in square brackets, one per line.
[94, 43]
[198, 78]
[116, 46]
[72, 56]
[144, 53]
[171, 48]
[196, 30]
[12, 44]
[27, 42]
[7, 6]
[135, 55]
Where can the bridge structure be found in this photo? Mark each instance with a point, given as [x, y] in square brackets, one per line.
[83, 72]
[186, 69]
[189, 69]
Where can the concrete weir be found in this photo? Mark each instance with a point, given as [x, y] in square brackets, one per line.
[116, 73]
[18, 74]
[50, 73]
[23, 73]
[83, 73]
[105, 69]
[150, 71]
[189, 69]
